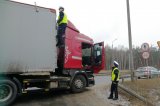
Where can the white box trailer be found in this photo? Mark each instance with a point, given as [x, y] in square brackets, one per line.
[28, 52]
[27, 38]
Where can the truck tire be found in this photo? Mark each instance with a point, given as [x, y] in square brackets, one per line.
[8, 92]
[78, 84]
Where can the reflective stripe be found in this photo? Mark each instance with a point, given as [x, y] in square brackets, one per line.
[113, 75]
[83, 39]
[76, 58]
[64, 20]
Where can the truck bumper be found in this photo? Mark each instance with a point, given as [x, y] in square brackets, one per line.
[91, 81]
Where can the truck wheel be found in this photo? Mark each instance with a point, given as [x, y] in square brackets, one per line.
[8, 92]
[78, 84]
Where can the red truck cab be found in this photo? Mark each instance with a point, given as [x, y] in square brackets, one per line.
[80, 52]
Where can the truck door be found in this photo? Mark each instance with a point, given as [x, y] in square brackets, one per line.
[98, 57]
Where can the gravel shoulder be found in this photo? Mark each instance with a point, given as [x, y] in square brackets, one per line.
[94, 96]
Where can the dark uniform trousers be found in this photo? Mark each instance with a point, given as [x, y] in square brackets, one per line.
[114, 89]
[61, 33]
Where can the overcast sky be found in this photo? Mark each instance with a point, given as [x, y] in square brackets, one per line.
[106, 20]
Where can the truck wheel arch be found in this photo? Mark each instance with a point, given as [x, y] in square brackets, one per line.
[73, 75]
[78, 84]
[15, 80]
[85, 76]
[18, 84]
[11, 88]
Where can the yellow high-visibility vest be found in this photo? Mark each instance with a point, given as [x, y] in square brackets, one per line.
[64, 20]
[113, 75]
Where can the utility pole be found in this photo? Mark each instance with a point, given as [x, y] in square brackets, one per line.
[158, 42]
[130, 42]
[112, 50]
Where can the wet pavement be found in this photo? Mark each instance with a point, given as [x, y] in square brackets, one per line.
[92, 96]
[102, 80]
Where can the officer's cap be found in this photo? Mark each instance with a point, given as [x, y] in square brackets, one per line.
[61, 8]
[116, 63]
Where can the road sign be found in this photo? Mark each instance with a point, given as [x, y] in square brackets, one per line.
[145, 55]
[145, 47]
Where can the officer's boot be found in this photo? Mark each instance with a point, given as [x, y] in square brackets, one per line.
[111, 96]
[116, 95]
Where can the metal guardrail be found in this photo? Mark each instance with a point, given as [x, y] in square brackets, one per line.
[125, 76]
[101, 74]
[133, 93]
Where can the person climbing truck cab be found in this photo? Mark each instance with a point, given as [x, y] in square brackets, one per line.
[62, 24]
[115, 79]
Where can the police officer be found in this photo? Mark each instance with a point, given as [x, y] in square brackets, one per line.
[62, 24]
[115, 79]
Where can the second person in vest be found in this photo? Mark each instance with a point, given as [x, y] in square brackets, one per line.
[62, 24]
[115, 79]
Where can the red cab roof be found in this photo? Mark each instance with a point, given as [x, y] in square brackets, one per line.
[71, 26]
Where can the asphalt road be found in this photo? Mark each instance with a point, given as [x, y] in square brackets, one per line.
[102, 80]
[92, 96]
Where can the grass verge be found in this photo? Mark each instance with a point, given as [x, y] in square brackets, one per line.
[148, 88]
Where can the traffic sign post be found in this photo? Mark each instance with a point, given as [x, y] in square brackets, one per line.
[145, 47]
[145, 52]
[145, 55]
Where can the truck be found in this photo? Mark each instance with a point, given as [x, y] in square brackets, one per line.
[29, 58]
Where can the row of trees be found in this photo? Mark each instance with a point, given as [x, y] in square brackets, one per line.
[121, 54]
